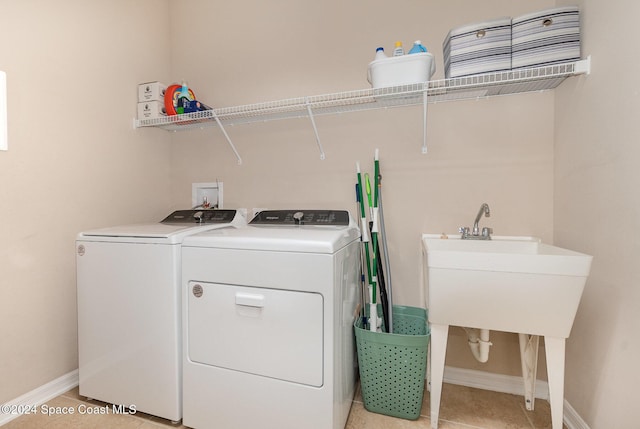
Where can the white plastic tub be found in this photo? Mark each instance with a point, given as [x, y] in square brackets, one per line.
[401, 70]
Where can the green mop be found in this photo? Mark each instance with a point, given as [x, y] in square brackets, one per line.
[373, 309]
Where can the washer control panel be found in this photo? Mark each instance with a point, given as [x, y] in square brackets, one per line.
[200, 216]
[302, 217]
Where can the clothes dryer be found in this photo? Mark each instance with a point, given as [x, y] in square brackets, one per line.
[129, 321]
[268, 314]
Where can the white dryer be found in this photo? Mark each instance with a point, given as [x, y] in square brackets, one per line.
[268, 314]
[129, 321]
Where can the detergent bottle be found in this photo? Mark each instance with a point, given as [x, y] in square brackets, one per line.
[186, 100]
[398, 50]
[417, 47]
[380, 53]
[184, 91]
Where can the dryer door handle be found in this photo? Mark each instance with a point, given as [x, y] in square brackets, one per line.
[249, 300]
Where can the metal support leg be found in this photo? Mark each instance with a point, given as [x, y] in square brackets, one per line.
[439, 336]
[529, 359]
[555, 350]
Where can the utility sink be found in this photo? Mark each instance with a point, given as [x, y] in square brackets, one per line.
[514, 284]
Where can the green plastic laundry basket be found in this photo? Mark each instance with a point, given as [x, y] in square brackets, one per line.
[393, 365]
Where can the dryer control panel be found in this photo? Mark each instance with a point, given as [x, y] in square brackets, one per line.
[302, 217]
[200, 216]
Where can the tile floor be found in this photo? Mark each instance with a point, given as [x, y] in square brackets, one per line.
[462, 408]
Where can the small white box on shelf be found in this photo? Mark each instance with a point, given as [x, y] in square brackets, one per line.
[151, 109]
[401, 70]
[546, 37]
[151, 91]
[483, 47]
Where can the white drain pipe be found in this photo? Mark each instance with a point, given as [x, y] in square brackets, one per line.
[479, 343]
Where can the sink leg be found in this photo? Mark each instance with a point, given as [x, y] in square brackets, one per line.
[529, 359]
[439, 336]
[555, 349]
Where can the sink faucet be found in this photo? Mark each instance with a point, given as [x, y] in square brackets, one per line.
[475, 232]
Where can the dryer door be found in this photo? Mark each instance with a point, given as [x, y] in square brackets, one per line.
[269, 332]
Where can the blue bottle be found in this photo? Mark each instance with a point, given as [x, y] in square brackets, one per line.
[417, 47]
[184, 91]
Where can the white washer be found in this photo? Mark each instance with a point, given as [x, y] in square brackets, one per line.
[129, 322]
[268, 314]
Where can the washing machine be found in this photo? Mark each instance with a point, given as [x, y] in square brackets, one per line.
[129, 310]
[268, 314]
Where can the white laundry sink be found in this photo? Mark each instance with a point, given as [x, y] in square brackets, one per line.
[513, 284]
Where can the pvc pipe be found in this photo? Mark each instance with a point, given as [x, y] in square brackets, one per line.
[479, 343]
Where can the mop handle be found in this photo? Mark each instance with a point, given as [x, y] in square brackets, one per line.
[368, 185]
[374, 244]
[376, 172]
[376, 184]
[387, 264]
[364, 233]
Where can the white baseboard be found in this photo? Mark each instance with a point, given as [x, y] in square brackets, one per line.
[572, 419]
[495, 382]
[40, 395]
[509, 384]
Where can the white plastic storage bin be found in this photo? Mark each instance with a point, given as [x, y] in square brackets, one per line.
[546, 37]
[483, 47]
[401, 70]
[151, 91]
[151, 109]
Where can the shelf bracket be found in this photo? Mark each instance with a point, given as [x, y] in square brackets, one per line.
[226, 136]
[424, 117]
[315, 129]
[583, 66]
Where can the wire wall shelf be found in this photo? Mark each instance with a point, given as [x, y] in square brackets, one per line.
[435, 91]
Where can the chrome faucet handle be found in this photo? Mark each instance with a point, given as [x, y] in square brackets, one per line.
[486, 232]
[464, 230]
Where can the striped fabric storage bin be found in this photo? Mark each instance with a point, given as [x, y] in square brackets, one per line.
[478, 48]
[546, 37]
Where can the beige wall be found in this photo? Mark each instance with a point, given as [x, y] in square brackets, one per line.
[74, 162]
[498, 151]
[597, 210]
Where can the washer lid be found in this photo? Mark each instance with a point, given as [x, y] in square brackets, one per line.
[169, 232]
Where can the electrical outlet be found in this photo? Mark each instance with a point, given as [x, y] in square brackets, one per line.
[207, 195]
